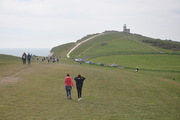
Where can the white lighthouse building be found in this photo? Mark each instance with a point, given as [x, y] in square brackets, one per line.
[125, 29]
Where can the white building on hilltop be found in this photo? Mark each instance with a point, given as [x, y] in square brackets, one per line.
[125, 29]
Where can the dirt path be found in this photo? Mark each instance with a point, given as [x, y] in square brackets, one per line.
[68, 55]
[14, 77]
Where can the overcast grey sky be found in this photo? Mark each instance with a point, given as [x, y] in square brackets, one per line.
[48, 23]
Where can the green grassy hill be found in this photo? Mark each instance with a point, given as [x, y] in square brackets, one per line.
[113, 42]
[116, 43]
[62, 50]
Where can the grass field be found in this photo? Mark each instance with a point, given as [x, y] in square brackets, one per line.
[148, 61]
[36, 92]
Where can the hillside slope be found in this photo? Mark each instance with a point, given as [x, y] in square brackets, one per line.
[111, 43]
[62, 50]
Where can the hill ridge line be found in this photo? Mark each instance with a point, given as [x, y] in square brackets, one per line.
[68, 54]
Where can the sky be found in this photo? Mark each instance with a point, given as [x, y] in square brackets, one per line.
[49, 23]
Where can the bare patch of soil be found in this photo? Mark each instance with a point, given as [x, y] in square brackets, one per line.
[9, 79]
[13, 77]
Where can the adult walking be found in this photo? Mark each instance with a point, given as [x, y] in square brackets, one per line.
[79, 84]
[24, 58]
[68, 86]
[29, 58]
[137, 69]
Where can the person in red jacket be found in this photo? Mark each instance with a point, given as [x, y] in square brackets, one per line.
[68, 86]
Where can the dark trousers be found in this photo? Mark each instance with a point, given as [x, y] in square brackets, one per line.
[24, 61]
[79, 91]
[29, 61]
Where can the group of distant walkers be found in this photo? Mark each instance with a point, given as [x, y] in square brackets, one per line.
[26, 57]
[69, 84]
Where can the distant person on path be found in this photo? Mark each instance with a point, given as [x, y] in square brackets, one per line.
[137, 69]
[29, 59]
[24, 58]
[48, 60]
[57, 60]
[68, 86]
[79, 84]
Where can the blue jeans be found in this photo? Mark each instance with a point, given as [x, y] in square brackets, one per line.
[68, 90]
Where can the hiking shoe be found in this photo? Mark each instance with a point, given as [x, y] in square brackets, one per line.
[79, 99]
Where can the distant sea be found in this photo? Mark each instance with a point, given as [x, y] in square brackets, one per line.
[19, 51]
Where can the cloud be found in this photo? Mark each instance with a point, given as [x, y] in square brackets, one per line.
[63, 21]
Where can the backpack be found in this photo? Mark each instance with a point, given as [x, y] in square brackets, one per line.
[24, 56]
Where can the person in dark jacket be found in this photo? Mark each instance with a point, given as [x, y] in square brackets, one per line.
[79, 84]
[29, 58]
[24, 58]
